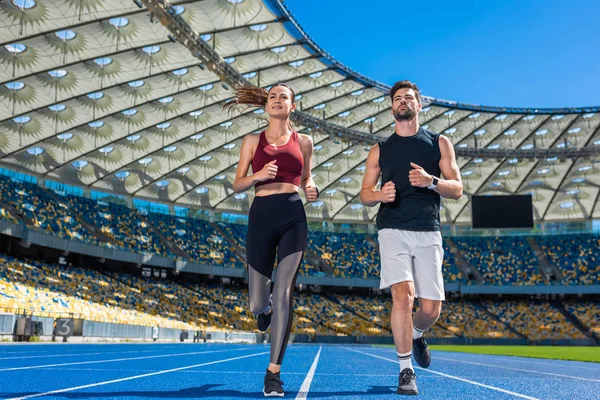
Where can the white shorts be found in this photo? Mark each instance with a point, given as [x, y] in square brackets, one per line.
[412, 256]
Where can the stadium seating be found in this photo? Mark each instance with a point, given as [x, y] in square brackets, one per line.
[348, 254]
[535, 320]
[577, 256]
[450, 269]
[126, 228]
[197, 238]
[7, 216]
[470, 320]
[236, 231]
[119, 298]
[36, 286]
[588, 313]
[41, 211]
[123, 298]
[458, 318]
[507, 260]
[375, 309]
[329, 317]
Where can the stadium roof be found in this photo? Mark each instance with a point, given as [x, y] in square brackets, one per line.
[107, 95]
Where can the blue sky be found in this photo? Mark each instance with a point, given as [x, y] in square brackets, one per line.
[527, 53]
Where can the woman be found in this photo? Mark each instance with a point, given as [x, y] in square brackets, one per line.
[280, 160]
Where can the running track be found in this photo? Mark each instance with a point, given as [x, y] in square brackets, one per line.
[235, 371]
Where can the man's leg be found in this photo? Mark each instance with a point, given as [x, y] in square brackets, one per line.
[426, 316]
[429, 288]
[397, 274]
[403, 295]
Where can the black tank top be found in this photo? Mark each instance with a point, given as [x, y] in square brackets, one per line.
[415, 208]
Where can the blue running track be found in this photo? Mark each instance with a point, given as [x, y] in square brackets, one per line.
[236, 371]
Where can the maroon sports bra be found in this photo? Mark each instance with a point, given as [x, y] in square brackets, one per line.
[289, 160]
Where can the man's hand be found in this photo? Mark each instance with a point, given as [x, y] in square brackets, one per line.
[388, 192]
[419, 177]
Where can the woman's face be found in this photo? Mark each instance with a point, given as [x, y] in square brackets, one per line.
[280, 102]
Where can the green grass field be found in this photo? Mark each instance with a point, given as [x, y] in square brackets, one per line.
[573, 353]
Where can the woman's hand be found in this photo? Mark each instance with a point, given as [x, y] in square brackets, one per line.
[268, 172]
[311, 193]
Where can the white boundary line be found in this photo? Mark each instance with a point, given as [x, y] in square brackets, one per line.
[518, 369]
[80, 354]
[531, 360]
[117, 360]
[262, 373]
[133, 377]
[453, 377]
[309, 377]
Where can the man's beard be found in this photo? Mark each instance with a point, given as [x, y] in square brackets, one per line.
[405, 115]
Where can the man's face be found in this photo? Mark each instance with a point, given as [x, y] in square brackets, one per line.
[405, 105]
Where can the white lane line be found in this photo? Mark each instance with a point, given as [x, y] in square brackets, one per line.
[218, 372]
[529, 360]
[517, 369]
[79, 354]
[309, 377]
[117, 360]
[71, 346]
[563, 363]
[263, 373]
[452, 377]
[129, 378]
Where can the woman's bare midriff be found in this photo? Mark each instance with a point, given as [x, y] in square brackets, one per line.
[275, 188]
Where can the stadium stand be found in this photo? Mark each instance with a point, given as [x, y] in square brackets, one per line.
[534, 319]
[123, 226]
[505, 260]
[588, 313]
[40, 211]
[198, 238]
[123, 298]
[577, 256]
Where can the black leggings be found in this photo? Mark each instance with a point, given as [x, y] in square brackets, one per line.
[276, 224]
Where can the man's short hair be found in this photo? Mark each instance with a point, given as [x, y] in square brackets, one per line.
[405, 84]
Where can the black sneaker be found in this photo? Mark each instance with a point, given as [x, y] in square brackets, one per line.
[407, 382]
[263, 320]
[421, 352]
[273, 385]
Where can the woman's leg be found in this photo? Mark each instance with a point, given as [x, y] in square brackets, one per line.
[261, 245]
[290, 252]
[285, 280]
[259, 292]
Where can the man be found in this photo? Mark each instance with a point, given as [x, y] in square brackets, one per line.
[408, 221]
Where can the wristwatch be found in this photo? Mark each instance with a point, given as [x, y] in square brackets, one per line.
[434, 183]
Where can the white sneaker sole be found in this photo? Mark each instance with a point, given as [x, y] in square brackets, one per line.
[273, 394]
